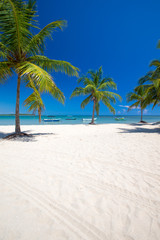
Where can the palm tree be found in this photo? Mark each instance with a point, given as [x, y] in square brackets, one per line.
[152, 82]
[139, 95]
[97, 89]
[35, 103]
[21, 51]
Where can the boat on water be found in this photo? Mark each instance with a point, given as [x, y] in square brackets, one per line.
[51, 120]
[120, 119]
[88, 119]
[71, 118]
[51, 116]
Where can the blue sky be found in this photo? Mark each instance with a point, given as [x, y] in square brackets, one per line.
[121, 36]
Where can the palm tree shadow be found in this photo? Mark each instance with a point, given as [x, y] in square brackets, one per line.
[140, 130]
[30, 137]
[138, 124]
[3, 135]
[42, 134]
[156, 123]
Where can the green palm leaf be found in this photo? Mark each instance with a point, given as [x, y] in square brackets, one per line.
[34, 102]
[86, 101]
[77, 92]
[5, 70]
[106, 102]
[155, 63]
[56, 65]
[41, 78]
[14, 26]
[36, 44]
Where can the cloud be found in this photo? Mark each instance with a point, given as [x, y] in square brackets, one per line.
[126, 106]
[145, 110]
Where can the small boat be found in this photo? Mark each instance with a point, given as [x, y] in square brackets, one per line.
[71, 118]
[50, 116]
[88, 119]
[51, 120]
[120, 119]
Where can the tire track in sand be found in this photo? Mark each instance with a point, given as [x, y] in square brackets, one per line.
[150, 205]
[97, 185]
[129, 166]
[80, 227]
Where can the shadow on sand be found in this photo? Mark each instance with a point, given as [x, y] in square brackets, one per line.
[30, 138]
[139, 129]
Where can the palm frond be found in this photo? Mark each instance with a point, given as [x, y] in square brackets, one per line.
[5, 70]
[31, 12]
[106, 102]
[133, 96]
[57, 94]
[155, 63]
[41, 78]
[14, 26]
[56, 65]
[86, 101]
[54, 90]
[36, 44]
[158, 45]
[113, 96]
[77, 92]
[85, 80]
[3, 51]
[107, 83]
[145, 78]
[34, 102]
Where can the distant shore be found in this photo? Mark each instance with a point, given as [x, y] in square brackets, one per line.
[12, 114]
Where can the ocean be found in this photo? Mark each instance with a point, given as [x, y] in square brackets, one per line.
[75, 119]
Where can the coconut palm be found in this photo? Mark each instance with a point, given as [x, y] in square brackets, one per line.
[21, 51]
[139, 96]
[35, 103]
[97, 89]
[152, 82]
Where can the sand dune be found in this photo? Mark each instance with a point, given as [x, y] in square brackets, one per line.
[76, 182]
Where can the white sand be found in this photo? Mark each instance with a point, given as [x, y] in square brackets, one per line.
[81, 182]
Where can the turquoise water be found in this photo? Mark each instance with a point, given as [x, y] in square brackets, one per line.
[33, 120]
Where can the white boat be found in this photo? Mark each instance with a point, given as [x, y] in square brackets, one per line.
[88, 119]
[51, 120]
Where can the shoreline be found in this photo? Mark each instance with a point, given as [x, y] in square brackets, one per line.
[79, 124]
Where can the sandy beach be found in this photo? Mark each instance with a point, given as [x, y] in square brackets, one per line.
[72, 182]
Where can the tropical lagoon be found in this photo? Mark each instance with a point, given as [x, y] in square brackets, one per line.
[76, 119]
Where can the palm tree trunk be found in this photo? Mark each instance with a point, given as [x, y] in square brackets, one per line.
[94, 103]
[141, 114]
[39, 114]
[17, 127]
